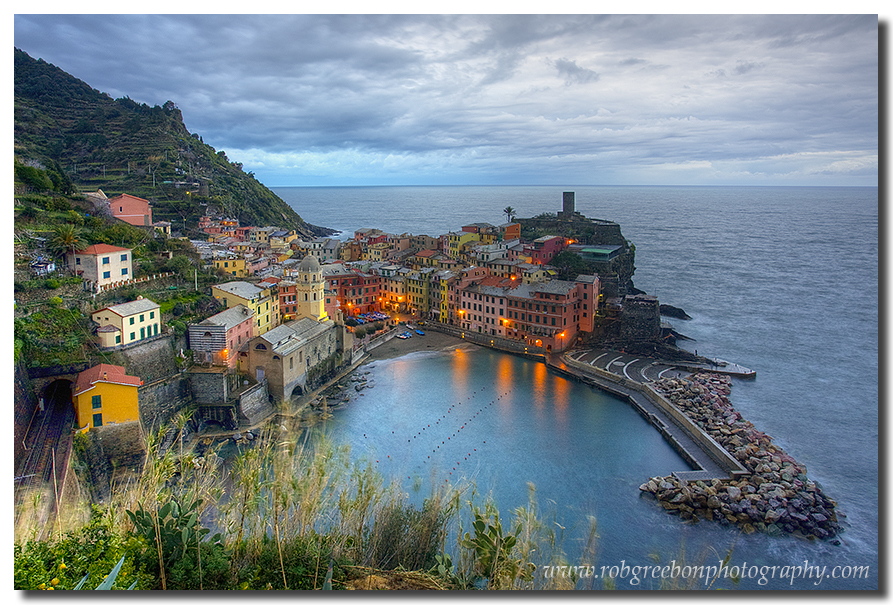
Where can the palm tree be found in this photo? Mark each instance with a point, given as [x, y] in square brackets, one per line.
[67, 239]
[509, 213]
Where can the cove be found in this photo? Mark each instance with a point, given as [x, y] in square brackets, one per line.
[504, 421]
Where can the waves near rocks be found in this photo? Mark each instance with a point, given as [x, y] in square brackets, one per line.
[776, 498]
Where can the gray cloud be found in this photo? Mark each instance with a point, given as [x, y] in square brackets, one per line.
[403, 98]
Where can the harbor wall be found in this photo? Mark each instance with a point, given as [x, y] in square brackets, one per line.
[706, 443]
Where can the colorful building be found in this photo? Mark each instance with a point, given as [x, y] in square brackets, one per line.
[104, 395]
[232, 266]
[131, 209]
[127, 323]
[217, 339]
[261, 301]
[102, 264]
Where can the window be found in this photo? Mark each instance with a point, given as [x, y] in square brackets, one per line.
[106, 260]
[142, 333]
[97, 419]
[132, 335]
[118, 339]
[151, 314]
[97, 402]
[124, 271]
[123, 258]
[77, 261]
[142, 317]
[106, 275]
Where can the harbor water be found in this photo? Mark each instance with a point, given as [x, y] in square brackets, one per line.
[781, 280]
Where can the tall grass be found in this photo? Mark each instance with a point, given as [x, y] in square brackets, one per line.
[288, 506]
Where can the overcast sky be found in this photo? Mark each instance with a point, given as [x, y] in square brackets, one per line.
[559, 100]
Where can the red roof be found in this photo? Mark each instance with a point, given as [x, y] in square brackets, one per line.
[125, 196]
[97, 249]
[104, 373]
[426, 253]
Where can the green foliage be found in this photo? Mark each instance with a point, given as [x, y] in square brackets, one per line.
[403, 536]
[67, 239]
[35, 178]
[52, 336]
[304, 559]
[90, 551]
[569, 264]
[492, 550]
[170, 530]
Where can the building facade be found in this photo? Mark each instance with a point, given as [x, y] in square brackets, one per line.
[286, 355]
[104, 395]
[218, 339]
[127, 323]
[102, 264]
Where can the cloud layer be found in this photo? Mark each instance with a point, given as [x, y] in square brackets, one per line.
[501, 99]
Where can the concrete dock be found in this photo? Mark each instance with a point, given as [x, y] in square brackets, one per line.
[707, 458]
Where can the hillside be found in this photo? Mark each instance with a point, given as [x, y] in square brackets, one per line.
[121, 146]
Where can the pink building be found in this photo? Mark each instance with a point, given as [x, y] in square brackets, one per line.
[549, 314]
[544, 249]
[131, 209]
[217, 339]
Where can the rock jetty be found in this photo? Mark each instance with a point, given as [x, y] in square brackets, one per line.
[776, 498]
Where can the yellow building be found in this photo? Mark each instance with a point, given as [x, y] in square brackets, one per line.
[458, 239]
[260, 300]
[127, 323]
[232, 266]
[105, 394]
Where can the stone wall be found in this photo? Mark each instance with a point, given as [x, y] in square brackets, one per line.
[152, 360]
[24, 405]
[161, 401]
[255, 405]
[640, 319]
[114, 452]
[209, 386]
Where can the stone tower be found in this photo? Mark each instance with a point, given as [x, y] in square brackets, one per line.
[568, 208]
[310, 290]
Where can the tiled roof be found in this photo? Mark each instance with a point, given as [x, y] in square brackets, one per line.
[230, 317]
[241, 289]
[131, 308]
[104, 373]
[97, 249]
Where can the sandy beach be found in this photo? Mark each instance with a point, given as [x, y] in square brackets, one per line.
[431, 341]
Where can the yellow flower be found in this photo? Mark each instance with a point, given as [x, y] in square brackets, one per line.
[54, 581]
[50, 588]
[62, 565]
[42, 586]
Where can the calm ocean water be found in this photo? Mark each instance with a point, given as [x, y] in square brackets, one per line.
[780, 280]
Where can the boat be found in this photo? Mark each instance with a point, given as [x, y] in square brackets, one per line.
[419, 332]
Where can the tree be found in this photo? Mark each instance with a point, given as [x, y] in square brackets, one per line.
[509, 213]
[66, 239]
[569, 264]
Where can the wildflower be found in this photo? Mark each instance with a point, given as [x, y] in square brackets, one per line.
[42, 586]
[54, 581]
[62, 565]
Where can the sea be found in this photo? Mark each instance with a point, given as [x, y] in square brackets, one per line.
[782, 280]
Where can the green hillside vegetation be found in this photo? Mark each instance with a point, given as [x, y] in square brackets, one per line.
[85, 141]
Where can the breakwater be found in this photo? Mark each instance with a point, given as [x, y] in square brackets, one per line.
[776, 498]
